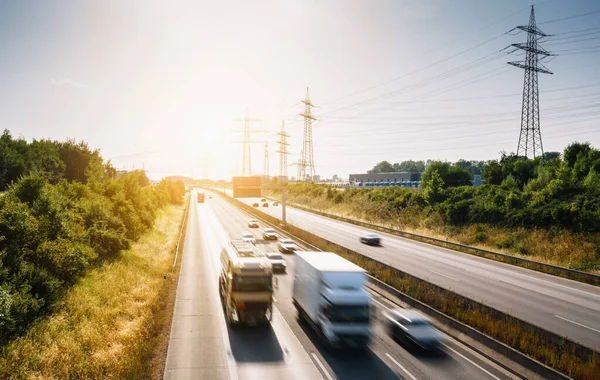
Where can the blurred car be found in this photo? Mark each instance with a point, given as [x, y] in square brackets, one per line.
[275, 203]
[277, 262]
[270, 234]
[263, 200]
[287, 246]
[411, 326]
[370, 239]
[210, 197]
[266, 204]
[248, 237]
[253, 223]
[254, 204]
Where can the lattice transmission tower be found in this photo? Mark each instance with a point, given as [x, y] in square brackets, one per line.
[247, 161]
[283, 153]
[306, 164]
[266, 162]
[530, 138]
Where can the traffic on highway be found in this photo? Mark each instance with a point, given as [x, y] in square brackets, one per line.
[360, 335]
[563, 306]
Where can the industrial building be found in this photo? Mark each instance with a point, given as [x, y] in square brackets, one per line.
[385, 177]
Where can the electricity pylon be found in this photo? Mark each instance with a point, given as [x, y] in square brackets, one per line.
[266, 163]
[306, 164]
[283, 152]
[530, 138]
[247, 162]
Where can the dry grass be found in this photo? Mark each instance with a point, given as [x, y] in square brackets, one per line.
[107, 325]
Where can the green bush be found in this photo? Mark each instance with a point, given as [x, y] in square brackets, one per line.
[58, 222]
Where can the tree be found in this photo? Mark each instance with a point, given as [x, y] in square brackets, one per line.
[451, 175]
[382, 167]
[434, 187]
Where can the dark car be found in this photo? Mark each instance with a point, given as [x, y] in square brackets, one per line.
[277, 262]
[265, 204]
[254, 204]
[412, 327]
[370, 239]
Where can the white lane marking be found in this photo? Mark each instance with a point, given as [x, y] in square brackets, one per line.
[470, 361]
[577, 323]
[444, 275]
[382, 305]
[401, 367]
[318, 361]
[274, 299]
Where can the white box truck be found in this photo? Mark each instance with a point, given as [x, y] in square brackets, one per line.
[329, 293]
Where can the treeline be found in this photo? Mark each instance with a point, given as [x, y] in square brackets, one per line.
[64, 210]
[560, 192]
[470, 166]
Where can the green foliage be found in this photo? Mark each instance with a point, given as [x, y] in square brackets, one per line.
[68, 214]
[433, 187]
[451, 175]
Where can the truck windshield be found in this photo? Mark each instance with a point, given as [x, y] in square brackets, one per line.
[347, 313]
[252, 284]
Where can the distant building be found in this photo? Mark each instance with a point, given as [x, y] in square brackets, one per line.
[335, 177]
[385, 177]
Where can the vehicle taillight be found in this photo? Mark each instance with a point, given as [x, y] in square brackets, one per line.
[240, 306]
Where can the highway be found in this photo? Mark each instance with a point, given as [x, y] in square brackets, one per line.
[566, 307]
[287, 350]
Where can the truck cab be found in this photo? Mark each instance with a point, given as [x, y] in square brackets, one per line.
[246, 284]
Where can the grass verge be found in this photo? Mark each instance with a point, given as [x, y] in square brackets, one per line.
[555, 351]
[112, 323]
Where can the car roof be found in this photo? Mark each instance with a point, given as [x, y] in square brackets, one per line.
[286, 240]
[269, 229]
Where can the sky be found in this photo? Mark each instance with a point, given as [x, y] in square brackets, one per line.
[164, 85]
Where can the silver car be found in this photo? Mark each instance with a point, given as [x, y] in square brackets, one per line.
[277, 262]
[411, 326]
[270, 234]
[248, 237]
[287, 246]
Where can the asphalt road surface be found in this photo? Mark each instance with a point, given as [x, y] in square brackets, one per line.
[289, 349]
[568, 308]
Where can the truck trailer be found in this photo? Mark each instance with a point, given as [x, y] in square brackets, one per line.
[329, 293]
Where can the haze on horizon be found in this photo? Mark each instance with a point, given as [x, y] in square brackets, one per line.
[160, 85]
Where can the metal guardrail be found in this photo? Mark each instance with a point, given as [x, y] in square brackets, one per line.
[183, 225]
[573, 274]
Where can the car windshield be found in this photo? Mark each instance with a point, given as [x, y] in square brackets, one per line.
[253, 221]
[287, 241]
[347, 313]
[252, 284]
[372, 235]
[247, 235]
[275, 256]
[269, 230]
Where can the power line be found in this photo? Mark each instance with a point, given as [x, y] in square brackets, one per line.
[570, 17]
